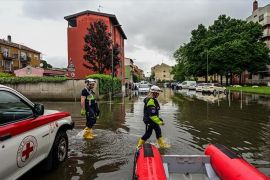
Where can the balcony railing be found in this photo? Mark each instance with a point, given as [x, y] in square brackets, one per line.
[8, 69]
[7, 57]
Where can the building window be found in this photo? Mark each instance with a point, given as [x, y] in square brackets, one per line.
[29, 70]
[8, 66]
[23, 56]
[1, 63]
[164, 75]
[164, 71]
[35, 57]
[261, 18]
[5, 52]
[15, 56]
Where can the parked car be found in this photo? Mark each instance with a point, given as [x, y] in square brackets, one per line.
[186, 85]
[30, 135]
[192, 86]
[173, 85]
[213, 88]
[200, 86]
[144, 88]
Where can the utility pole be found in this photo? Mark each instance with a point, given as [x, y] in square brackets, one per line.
[207, 66]
[112, 57]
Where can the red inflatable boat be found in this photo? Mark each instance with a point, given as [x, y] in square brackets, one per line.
[218, 163]
[229, 166]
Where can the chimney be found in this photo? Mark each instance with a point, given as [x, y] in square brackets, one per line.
[255, 5]
[9, 38]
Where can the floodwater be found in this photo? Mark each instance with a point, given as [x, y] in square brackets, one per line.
[192, 120]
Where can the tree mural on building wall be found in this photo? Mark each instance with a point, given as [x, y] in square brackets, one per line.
[98, 49]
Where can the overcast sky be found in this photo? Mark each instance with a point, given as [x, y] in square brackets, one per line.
[154, 28]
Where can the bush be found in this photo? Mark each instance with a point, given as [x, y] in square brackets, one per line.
[18, 80]
[105, 83]
[5, 75]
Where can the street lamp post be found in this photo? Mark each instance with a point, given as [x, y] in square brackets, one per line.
[112, 53]
[207, 66]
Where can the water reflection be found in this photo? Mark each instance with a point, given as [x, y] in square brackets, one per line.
[192, 120]
[240, 121]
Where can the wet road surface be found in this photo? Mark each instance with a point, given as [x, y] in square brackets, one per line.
[239, 121]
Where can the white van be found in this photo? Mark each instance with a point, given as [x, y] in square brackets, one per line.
[191, 85]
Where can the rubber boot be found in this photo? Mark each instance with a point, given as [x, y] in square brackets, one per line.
[91, 131]
[140, 143]
[87, 134]
[162, 143]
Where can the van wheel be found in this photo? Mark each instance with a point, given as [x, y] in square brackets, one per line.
[58, 153]
[60, 148]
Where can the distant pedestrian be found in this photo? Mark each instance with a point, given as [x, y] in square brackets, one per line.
[126, 88]
[89, 108]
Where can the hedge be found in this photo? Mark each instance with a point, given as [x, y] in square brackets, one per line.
[5, 75]
[105, 83]
[18, 80]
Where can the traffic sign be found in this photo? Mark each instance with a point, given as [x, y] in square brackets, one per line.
[71, 67]
[72, 74]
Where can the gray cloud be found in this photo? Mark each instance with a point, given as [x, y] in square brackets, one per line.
[154, 24]
[57, 61]
[54, 9]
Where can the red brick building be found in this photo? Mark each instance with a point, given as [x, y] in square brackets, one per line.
[77, 29]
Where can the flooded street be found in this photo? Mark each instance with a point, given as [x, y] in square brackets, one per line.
[239, 121]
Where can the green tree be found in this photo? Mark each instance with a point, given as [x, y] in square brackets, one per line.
[179, 72]
[232, 46]
[135, 78]
[98, 49]
[45, 64]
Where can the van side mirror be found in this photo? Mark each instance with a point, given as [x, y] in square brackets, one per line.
[38, 109]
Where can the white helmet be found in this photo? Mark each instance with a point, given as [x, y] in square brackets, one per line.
[155, 89]
[90, 81]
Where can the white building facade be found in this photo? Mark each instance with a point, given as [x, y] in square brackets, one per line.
[262, 16]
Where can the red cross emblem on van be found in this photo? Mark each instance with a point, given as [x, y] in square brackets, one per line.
[26, 150]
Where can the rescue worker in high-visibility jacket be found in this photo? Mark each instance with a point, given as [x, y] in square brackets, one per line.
[89, 108]
[151, 118]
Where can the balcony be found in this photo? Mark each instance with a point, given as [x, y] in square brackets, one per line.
[8, 69]
[7, 57]
[23, 58]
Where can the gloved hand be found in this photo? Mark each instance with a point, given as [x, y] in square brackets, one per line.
[162, 122]
[83, 112]
[97, 113]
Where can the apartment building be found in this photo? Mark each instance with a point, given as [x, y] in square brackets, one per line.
[129, 69]
[162, 72]
[15, 56]
[76, 31]
[262, 16]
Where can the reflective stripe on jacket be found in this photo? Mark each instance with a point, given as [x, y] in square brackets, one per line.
[151, 111]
